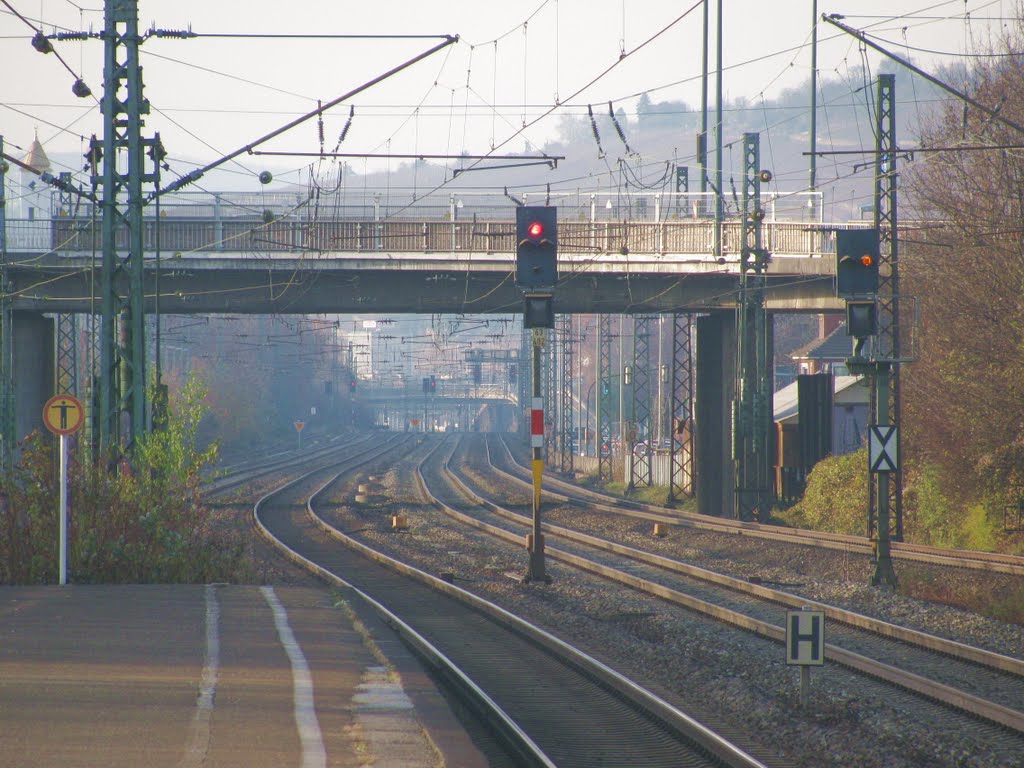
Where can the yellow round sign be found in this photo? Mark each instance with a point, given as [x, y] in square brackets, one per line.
[63, 414]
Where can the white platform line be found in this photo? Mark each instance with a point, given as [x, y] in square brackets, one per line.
[313, 754]
[199, 738]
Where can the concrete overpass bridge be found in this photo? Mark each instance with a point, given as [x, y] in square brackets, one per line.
[659, 258]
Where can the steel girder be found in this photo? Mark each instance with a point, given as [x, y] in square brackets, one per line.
[682, 482]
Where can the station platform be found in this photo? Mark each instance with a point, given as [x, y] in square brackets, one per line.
[215, 675]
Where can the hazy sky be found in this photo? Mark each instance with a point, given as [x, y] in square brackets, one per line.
[513, 62]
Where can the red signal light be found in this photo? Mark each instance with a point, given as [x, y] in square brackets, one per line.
[867, 260]
[535, 230]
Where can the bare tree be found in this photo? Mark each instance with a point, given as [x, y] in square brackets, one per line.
[964, 398]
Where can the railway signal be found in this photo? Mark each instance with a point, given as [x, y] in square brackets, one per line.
[857, 255]
[861, 318]
[538, 310]
[536, 275]
[536, 246]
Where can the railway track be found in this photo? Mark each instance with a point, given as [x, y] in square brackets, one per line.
[994, 562]
[552, 704]
[985, 684]
[247, 472]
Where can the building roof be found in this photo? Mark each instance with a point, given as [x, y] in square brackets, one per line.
[36, 157]
[837, 346]
[847, 390]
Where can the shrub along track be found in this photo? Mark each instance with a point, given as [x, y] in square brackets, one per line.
[986, 684]
[507, 460]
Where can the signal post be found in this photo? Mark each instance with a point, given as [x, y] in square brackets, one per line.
[536, 275]
[857, 276]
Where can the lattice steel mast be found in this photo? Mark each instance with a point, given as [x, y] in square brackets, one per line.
[752, 417]
[122, 409]
[640, 453]
[604, 400]
[682, 481]
[885, 505]
[567, 410]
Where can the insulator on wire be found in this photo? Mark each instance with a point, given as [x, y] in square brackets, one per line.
[348, 124]
[593, 127]
[320, 125]
[618, 128]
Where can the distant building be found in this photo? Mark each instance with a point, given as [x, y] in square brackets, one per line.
[35, 195]
[828, 353]
[844, 412]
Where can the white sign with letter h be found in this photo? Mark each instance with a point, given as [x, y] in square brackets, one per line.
[805, 638]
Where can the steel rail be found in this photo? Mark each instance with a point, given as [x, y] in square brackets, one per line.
[985, 561]
[689, 728]
[483, 705]
[706, 741]
[940, 692]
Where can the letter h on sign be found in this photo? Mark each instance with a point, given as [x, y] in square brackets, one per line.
[805, 638]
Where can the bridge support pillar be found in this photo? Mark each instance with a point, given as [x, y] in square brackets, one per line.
[715, 391]
[34, 357]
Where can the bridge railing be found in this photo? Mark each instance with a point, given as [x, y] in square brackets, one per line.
[254, 236]
[358, 204]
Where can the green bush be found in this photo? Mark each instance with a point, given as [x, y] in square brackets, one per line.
[836, 497]
[928, 511]
[978, 531]
[146, 523]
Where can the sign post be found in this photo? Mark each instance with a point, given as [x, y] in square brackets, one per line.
[805, 644]
[63, 415]
[298, 428]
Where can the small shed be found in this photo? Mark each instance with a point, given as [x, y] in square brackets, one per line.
[839, 418]
[849, 413]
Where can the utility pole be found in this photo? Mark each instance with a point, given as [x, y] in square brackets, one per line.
[718, 140]
[872, 311]
[604, 400]
[67, 324]
[702, 139]
[7, 416]
[123, 413]
[754, 392]
[566, 410]
[885, 519]
[812, 170]
[640, 456]
[682, 481]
